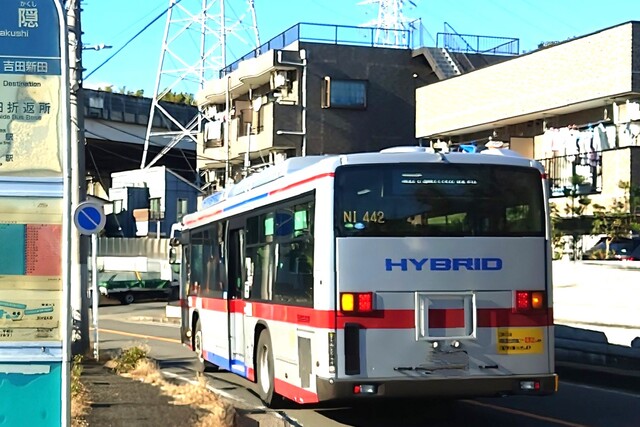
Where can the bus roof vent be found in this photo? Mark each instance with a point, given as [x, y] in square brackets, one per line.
[213, 199]
[408, 149]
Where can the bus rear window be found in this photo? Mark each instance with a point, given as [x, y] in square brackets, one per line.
[449, 200]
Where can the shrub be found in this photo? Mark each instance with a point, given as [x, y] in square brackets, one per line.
[76, 372]
[129, 358]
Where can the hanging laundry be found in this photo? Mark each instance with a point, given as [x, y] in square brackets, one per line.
[584, 141]
[547, 142]
[213, 130]
[557, 143]
[600, 138]
[572, 148]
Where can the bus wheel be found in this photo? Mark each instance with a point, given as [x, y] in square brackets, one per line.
[264, 366]
[201, 364]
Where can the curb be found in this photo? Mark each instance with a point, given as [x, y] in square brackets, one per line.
[604, 376]
[155, 319]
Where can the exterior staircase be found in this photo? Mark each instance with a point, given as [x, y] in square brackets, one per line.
[442, 63]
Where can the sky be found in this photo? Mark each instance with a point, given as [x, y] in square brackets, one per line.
[133, 64]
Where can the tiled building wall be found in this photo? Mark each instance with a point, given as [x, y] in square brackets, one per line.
[590, 67]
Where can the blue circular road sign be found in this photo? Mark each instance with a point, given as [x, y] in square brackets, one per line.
[89, 218]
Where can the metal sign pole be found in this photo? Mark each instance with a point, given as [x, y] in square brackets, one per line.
[95, 295]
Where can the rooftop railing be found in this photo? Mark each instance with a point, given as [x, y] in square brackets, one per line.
[468, 43]
[329, 34]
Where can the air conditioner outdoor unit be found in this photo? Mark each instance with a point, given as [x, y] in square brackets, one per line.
[279, 79]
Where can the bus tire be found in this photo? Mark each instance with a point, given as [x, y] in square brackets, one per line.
[202, 365]
[264, 368]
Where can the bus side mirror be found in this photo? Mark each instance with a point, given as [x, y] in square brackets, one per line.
[173, 255]
[174, 242]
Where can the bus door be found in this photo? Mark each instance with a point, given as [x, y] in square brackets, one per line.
[185, 315]
[236, 281]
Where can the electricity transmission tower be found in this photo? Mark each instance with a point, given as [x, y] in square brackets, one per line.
[197, 36]
[391, 20]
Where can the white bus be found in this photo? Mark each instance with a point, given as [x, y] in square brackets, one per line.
[398, 273]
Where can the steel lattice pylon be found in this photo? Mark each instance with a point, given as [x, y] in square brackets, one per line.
[184, 68]
[390, 17]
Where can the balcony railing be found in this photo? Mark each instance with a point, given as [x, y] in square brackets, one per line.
[579, 174]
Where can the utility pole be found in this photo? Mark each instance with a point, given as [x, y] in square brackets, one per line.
[79, 244]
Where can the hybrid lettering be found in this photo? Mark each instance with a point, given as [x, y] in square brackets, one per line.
[443, 264]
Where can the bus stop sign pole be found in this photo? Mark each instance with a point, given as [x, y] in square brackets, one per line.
[89, 218]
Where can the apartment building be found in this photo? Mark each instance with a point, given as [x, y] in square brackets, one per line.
[574, 105]
[320, 89]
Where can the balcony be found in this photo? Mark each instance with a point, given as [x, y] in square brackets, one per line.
[578, 174]
[600, 174]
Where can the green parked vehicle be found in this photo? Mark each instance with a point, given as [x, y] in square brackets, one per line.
[130, 286]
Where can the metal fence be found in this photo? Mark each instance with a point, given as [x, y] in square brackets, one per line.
[453, 41]
[133, 247]
[574, 175]
[329, 34]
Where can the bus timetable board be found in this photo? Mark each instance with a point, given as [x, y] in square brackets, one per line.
[30, 268]
[30, 82]
[34, 214]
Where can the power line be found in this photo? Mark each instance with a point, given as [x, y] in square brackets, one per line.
[104, 138]
[132, 39]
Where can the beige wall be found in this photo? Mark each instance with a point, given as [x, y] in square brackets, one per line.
[591, 67]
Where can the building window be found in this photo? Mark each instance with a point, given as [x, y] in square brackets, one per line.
[344, 93]
[155, 209]
[181, 209]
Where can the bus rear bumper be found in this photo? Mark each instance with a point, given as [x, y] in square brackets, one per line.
[331, 389]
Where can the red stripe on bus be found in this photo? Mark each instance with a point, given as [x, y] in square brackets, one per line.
[206, 216]
[294, 393]
[381, 319]
[447, 318]
[203, 216]
[292, 314]
[304, 181]
[216, 304]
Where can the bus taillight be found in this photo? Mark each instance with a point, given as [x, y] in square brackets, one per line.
[529, 300]
[356, 302]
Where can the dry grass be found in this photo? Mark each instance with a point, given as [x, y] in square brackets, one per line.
[79, 409]
[217, 413]
[79, 399]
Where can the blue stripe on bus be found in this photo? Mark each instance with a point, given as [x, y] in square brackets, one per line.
[208, 216]
[235, 366]
[244, 202]
[239, 368]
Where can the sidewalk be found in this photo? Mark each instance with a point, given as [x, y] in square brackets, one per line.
[598, 296]
[118, 401]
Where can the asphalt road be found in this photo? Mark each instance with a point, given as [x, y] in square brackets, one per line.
[573, 406]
